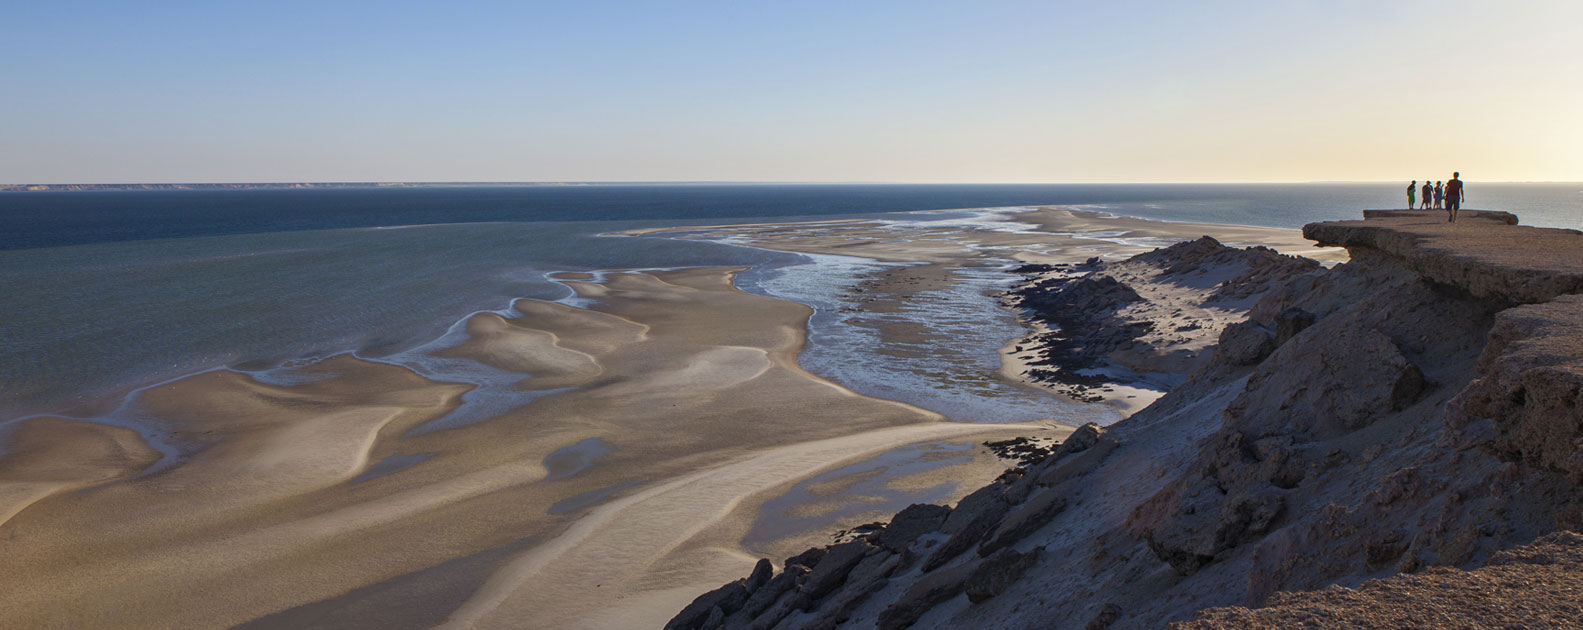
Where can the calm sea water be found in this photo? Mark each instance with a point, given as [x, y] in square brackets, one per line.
[101, 292]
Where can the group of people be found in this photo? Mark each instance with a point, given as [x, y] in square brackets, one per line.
[1444, 195]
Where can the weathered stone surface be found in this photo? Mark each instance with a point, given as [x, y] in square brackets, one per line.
[716, 618]
[772, 591]
[1244, 343]
[1530, 387]
[1024, 519]
[1071, 466]
[1482, 253]
[910, 523]
[809, 558]
[1339, 379]
[929, 591]
[1533, 586]
[1082, 439]
[832, 570]
[865, 579]
[968, 523]
[1290, 322]
[1330, 464]
[727, 598]
[998, 571]
[762, 571]
[1102, 620]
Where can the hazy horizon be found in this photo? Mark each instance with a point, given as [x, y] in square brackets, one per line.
[885, 92]
[436, 182]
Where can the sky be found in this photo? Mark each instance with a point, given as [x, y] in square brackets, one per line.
[903, 91]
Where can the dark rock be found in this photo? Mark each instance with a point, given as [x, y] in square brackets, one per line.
[766, 596]
[1024, 519]
[1244, 343]
[1081, 440]
[1102, 620]
[716, 618]
[1290, 322]
[969, 522]
[997, 572]
[928, 592]
[910, 523]
[727, 598]
[760, 575]
[1409, 387]
[1072, 466]
[1384, 547]
[868, 577]
[832, 570]
[809, 558]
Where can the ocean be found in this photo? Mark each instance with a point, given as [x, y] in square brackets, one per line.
[103, 292]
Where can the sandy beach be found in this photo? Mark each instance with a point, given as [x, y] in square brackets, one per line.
[665, 439]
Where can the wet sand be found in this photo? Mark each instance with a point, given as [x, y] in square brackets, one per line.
[1048, 235]
[675, 407]
[668, 420]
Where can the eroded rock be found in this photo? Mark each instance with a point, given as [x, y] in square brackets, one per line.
[998, 571]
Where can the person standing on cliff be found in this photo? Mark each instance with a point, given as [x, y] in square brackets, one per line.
[1411, 190]
[1453, 196]
[1429, 193]
[1440, 194]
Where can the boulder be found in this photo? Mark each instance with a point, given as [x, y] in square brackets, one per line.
[868, 577]
[832, 570]
[1102, 620]
[1244, 343]
[809, 558]
[726, 599]
[1024, 519]
[928, 592]
[771, 592]
[760, 575]
[1076, 464]
[998, 571]
[910, 523]
[968, 523]
[1290, 322]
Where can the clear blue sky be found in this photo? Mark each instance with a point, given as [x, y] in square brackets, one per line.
[826, 91]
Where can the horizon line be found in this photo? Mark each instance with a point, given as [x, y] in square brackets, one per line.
[87, 186]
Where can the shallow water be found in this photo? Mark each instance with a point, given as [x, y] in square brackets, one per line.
[105, 292]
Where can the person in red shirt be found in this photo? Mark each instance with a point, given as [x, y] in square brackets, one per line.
[1453, 196]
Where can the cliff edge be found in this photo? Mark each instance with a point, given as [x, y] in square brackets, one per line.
[1404, 414]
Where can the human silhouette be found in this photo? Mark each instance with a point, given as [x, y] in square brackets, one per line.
[1429, 193]
[1453, 196]
[1411, 190]
[1440, 195]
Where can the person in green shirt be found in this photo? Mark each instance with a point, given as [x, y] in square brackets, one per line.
[1411, 190]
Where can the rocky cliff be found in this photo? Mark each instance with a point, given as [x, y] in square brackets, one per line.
[1412, 410]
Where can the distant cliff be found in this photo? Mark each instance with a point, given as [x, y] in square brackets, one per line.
[1420, 406]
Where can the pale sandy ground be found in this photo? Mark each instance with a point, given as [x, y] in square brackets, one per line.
[691, 385]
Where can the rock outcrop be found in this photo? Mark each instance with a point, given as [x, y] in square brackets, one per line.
[1149, 315]
[1379, 430]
